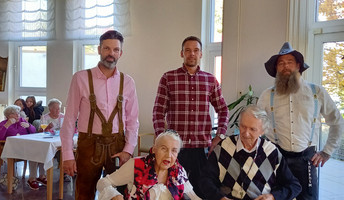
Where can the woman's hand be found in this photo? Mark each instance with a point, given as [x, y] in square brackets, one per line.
[24, 124]
[50, 126]
[118, 197]
[265, 197]
[9, 122]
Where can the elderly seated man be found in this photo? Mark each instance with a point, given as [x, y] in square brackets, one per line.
[246, 166]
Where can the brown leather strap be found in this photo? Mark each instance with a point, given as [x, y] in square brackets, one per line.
[93, 102]
[118, 107]
[106, 125]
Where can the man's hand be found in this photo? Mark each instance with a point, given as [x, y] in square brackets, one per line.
[320, 158]
[118, 197]
[69, 167]
[123, 157]
[215, 141]
[265, 197]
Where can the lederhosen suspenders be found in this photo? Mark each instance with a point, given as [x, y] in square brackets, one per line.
[316, 104]
[106, 139]
[106, 125]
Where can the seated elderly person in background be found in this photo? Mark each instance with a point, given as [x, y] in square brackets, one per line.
[14, 124]
[246, 166]
[23, 108]
[54, 118]
[155, 176]
[53, 121]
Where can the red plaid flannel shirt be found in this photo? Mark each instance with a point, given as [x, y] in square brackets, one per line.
[184, 99]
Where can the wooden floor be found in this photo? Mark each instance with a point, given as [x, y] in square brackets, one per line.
[331, 184]
[24, 192]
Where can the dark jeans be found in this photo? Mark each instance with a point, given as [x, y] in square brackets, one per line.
[193, 159]
[90, 162]
[298, 165]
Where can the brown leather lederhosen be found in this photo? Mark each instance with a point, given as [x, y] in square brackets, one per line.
[94, 151]
[107, 143]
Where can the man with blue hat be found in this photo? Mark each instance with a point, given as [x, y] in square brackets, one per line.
[295, 107]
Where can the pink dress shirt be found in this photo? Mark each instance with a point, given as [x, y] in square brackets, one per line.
[106, 91]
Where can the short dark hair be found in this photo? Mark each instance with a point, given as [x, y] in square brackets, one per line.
[192, 38]
[112, 34]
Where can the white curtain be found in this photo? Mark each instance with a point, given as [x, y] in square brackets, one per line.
[87, 19]
[27, 20]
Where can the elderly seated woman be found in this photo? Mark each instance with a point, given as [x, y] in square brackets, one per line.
[53, 122]
[14, 124]
[155, 176]
[246, 166]
[54, 118]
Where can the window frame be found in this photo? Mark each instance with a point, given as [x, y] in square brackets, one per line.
[210, 49]
[79, 53]
[25, 91]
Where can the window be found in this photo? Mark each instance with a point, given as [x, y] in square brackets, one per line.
[328, 10]
[33, 62]
[87, 22]
[91, 56]
[27, 20]
[325, 51]
[85, 54]
[216, 20]
[31, 70]
[212, 42]
[89, 19]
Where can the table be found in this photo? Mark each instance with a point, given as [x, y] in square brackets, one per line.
[38, 147]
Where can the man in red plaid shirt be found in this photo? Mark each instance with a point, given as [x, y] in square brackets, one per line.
[183, 99]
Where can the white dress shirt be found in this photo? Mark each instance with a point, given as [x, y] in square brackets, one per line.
[293, 116]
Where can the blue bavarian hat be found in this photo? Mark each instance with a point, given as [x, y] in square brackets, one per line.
[270, 65]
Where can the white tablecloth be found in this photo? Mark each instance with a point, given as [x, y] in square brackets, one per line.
[38, 147]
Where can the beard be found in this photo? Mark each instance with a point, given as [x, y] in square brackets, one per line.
[287, 84]
[109, 64]
[191, 62]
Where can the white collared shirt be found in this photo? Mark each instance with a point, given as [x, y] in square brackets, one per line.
[294, 114]
[240, 146]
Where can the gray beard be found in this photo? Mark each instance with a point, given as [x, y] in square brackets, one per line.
[288, 84]
[108, 64]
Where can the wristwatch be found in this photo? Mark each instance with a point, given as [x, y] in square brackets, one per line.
[221, 136]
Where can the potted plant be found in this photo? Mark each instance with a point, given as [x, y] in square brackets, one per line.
[237, 106]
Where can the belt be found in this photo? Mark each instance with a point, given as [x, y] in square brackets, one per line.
[290, 154]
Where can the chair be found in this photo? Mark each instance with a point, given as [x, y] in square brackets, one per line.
[144, 149]
[2, 144]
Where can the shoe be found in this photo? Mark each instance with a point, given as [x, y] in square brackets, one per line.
[43, 181]
[33, 184]
[67, 178]
[15, 182]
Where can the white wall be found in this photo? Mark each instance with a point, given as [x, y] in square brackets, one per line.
[253, 31]
[158, 29]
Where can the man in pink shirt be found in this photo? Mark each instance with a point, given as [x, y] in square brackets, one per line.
[104, 102]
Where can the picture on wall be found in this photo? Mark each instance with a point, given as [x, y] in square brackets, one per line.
[3, 72]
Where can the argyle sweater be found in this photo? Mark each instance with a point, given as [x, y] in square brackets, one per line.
[238, 175]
